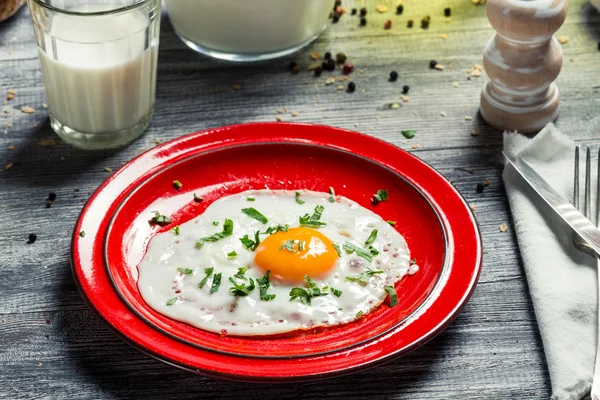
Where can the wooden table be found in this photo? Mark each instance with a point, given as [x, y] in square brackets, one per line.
[52, 346]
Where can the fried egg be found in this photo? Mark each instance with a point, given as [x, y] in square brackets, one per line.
[266, 262]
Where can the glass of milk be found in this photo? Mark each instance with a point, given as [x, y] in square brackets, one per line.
[248, 30]
[98, 61]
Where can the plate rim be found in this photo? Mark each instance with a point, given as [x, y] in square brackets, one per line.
[181, 143]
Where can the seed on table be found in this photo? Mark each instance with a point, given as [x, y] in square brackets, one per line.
[340, 58]
[447, 12]
[52, 196]
[292, 65]
[432, 64]
[353, 11]
[480, 188]
[405, 89]
[351, 87]
[327, 56]
[32, 238]
[363, 11]
[425, 22]
[410, 23]
[399, 9]
[336, 17]
[388, 24]
[318, 71]
[393, 76]
[363, 21]
[348, 68]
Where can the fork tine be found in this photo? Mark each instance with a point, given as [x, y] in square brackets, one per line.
[588, 190]
[576, 180]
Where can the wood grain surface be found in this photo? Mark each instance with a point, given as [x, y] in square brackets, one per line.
[53, 347]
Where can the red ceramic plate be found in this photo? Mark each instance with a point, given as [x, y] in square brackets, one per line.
[438, 225]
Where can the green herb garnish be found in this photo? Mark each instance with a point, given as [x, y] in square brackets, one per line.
[413, 261]
[254, 213]
[232, 254]
[288, 245]
[298, 200]
[305, 295]
[249, 243]
[364, 277]
[172, 301]
[250, 199]
[177, 185]
[227, 231]
[392, 223]
[409, 133]
[241, 289]
[240, 273]
[358, 314]
[185, 271]
[215, 223]
[373, 251]
[159, 219]
[176, 230]
[197, 198]
[371, 237]
[208, 272]
[216, 283]
[301, 245]
[393, 295]
[331, 195]
[352, 248]
[313, 219]
[337, 248]
[275, 229]
[263, 286]
[381, 195]
[82, 234]
[336, 293]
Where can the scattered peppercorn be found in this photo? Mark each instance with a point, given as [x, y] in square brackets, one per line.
[336, 17]
[292, 65]
[347, 68]
[351, 87]
[432, 64]
[388, 24]
[447, 12]
[52, 196]
[480, 188]
[363, 11]
[318, 71]
[405, 89]
[363, 21]
[327, 56]
[399, 9]
[425, 22]
[410, 23]
[341, 58]
[32, 238]
[393, 76]
[328, 65]
[353, 12]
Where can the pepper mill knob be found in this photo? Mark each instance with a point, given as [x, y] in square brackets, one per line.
[522, 60]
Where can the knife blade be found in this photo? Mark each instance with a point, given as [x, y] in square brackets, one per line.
[575, 219]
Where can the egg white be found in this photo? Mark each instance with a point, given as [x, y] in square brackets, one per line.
[220, 312]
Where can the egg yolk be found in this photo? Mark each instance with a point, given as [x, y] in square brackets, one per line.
[299, 251]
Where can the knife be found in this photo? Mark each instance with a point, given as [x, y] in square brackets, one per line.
[576, 220]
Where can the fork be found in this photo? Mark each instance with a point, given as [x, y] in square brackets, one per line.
[582, 245]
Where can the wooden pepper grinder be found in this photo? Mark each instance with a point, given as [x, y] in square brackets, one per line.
[522, 61]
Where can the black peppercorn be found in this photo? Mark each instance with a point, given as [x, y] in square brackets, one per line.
[480, 188]
[296, 70]
[32, 237]
[52, 196]
[432, 64]
[353, 11]
[336, 17]
[292, 65]
[447, 12]
[410, 23]
[400, 9]
[363, 11]
[327, 56]
[328, 65]
[351, 87]
[393, 76]
[425, 22]
[318, 71]
[405, 89]
[336, 4]
[363, 21]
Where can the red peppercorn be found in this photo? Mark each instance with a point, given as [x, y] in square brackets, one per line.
[388, 24]
[347, 68]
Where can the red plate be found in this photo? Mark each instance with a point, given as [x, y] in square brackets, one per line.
[438, 225]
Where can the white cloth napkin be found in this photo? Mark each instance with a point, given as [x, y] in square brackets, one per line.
[562, 280]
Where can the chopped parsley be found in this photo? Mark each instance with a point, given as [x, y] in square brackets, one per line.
[352, 248]
[240, 273]
[288, 245]
[197, 198]
[216, 283]
[185, 271]
[254, 213]
[159, 219]
[409, 133]
[337, 248]
[263, 286]
[172, 301]
[215, 223]
[177, 185]
[364, 277]
[393, 295]
[305, 295]
[249, 243]
[392, 223]
[208, 272]
[372, 237]
[250, 199]
[298, 199]
[176, 230]
[232, 254]
[358, 314]
[277, 228]
[82, 234]
[373, 251]
[336, 293]
[241, 289]
[413, 261]
[381, 195]
[331, 195]
[313, 219]
[227, 231]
